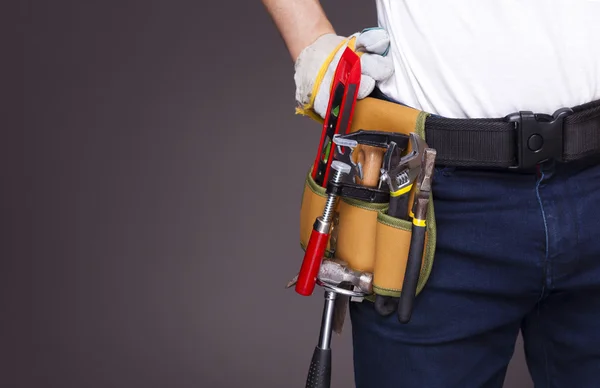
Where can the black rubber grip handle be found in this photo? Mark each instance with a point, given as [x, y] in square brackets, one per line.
[399, 207]
[411, 276]
[319, 374]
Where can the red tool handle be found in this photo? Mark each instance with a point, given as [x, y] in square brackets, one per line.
[312, 262]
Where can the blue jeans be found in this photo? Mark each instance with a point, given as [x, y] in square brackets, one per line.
[515, 251]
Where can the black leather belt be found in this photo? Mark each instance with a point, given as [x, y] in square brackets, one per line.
[519, 141]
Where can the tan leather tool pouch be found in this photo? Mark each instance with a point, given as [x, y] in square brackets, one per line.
[362, 234]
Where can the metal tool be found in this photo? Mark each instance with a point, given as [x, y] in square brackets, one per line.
[345, 146]
[334, 276]
[359, 282]
[417, 241]
[336, 273]
[399, 173]
[319, 372]
[340, 309]
[317, 242]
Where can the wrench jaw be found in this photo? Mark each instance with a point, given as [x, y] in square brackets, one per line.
[425, 180]
[392, 157]
[426, 175]
[414, 158]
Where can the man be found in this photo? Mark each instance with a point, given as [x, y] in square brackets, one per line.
[517, 249]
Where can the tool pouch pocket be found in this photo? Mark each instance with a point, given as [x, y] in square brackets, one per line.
[392, 244]
[356, 233]
[311, 207]
[352, 235]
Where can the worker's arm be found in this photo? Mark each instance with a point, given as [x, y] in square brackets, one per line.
[300, 22]
[316, 49]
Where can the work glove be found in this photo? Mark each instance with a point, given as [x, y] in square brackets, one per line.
[316, 65]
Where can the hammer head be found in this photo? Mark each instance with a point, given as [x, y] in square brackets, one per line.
[336, 272]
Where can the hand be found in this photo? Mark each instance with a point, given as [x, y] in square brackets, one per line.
[316, 64]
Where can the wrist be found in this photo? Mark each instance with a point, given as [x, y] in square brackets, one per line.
[317, 31]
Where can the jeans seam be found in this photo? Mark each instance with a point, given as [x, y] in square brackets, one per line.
[539, 198]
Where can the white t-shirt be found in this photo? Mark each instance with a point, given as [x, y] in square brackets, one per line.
[489, 58]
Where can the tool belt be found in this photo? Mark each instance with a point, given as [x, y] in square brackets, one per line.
[365, 237]
[517, 141]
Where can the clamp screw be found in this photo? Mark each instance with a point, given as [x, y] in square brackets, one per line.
[340, 168]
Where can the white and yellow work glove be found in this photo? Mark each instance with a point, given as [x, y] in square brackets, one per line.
[316, 65]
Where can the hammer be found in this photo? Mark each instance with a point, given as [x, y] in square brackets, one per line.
[333, 276]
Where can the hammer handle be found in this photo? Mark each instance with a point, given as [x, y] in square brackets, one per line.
[319, 373]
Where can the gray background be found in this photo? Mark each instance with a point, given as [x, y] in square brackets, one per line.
[156, 190]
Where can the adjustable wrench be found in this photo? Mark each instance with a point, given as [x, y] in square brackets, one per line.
[399, 176]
